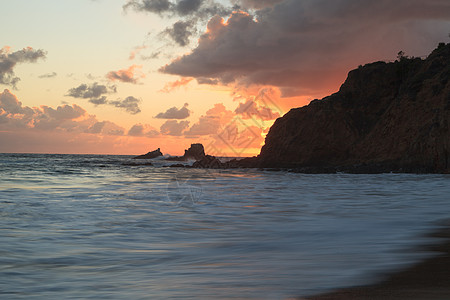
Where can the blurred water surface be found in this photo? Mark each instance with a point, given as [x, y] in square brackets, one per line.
[106, 227]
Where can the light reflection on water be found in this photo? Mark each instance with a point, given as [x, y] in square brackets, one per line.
[76, 227]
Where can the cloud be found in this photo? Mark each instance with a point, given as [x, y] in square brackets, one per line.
[173, 127]
[175, 113]
[189, 15]
[210, 123]
[153, 6]
[170, 86]
[206, 125]
[48, 75]
[99, 101]
[9, 60]
[106, 127]
[202, 80]
[65, 118]
[308, 46]
[9, 103]
[136, 51]
[180, 32]
[130, 104]
[256, 4]
[95, 94]
[143, 130]
[68, 129]
[153, 55]
[180, 8]
[93, 91]
[186, 7]
[127, 75]
[251, 109]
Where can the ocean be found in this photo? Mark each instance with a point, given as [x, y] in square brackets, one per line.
[109, 227]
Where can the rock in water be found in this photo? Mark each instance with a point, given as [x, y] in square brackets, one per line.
[208, 162]
[196, 151]
[150, 155]
[385, 117]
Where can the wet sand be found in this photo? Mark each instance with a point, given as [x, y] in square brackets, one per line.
[427, 280]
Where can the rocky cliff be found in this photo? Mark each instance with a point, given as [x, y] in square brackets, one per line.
[385, 117]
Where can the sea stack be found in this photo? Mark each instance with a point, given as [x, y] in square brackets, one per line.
[196, 151]
[150, 155]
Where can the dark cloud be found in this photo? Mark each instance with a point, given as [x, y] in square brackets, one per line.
[48, 75]
[93, 91]
[143, 130]
[96, 128]
[181, 31]
[175, 113]
[10, 104]
[202, 80]
[130, 104]
[65, 112]
[99, 101]
[186, 7]
[308, 46]
[173, 127]
[126, 75]
[136, 130]
[189, 14]
[8, 61]
[255, 4]
[47, 118]
[63, 117]
[153, 55]
[106, 128]
[180, 8]
[153, 6]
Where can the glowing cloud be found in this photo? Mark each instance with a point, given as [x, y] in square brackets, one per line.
[129, 75]
[170, 86]
[210, 123]
[305, 47]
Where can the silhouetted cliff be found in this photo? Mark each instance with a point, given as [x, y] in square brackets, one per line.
[385, 117]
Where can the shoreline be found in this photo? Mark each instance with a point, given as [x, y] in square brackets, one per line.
[426, 280]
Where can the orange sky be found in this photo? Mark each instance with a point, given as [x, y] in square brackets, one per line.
[121, 77]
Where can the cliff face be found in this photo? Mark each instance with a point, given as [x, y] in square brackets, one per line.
[388, 116]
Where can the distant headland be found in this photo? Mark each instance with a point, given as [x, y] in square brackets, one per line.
[386, 117]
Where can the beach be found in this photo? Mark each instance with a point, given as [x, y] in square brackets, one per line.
[429, 279]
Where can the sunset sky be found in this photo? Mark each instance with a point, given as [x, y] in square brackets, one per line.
[129, 76]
